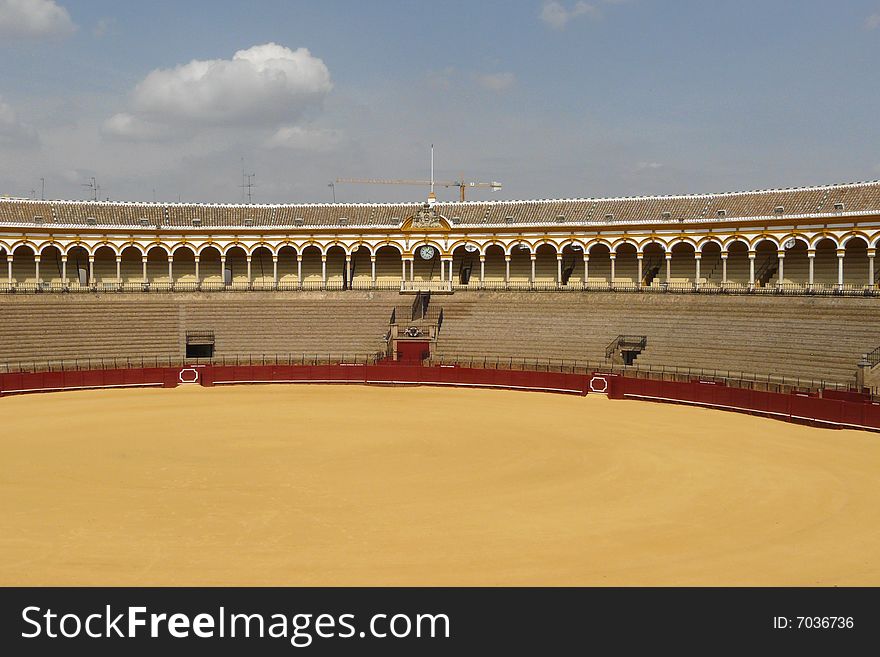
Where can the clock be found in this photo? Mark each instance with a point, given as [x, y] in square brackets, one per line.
[789, 244]
[426, 252]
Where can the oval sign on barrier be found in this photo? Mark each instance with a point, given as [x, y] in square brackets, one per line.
[188, 375]
[598, 384]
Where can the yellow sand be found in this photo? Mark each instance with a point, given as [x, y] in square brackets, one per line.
[345, 485]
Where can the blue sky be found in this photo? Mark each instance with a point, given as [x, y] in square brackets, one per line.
[553, 99]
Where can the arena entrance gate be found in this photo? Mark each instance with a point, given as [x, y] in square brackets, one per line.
[200, 344]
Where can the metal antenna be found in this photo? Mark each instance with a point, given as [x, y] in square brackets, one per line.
[42, 189]
[93, 187]
[249, 185]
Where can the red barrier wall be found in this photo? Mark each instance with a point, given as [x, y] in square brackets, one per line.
[837, 410]
[45, 381]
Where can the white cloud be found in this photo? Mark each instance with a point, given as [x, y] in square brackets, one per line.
[34, 19]
[128, 127]
[497, 81]
[12, 131]
[557, 15]
[872, 22]
[305, 139]
[104, 26]
[265, 86]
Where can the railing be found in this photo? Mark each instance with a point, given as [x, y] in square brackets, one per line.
[112, 363]
[674, 287]
[873, 357]
[627, 343]
[729, 377]
[426, 286]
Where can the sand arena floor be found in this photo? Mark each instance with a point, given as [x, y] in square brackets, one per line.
[346, 485]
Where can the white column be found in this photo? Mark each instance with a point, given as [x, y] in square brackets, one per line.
[559, 268]
[840, 254]
[119, 270]
[668, 267]
[640, 257]
[507, 270]
[532, 258]
[9, 268]
[781, 256]
[248, 259]
[64, 270]
[144, 268]
[91, 270]
[482, 269]
[723, 267]
[871, 268]
[198, 277]
[275, 270]
[613, 257]
[348, 268]
[751, 267]
[37, 268]
[170, 269]
[299, 269]
[324, 270]
[223, 268]
[373, 268]
[449, 265]
[698, 257]
[811, 258]
[586, 268]
[403, 269]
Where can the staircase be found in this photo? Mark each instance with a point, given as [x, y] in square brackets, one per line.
[624, 349]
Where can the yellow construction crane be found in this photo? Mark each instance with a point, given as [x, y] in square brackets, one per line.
[461, 184]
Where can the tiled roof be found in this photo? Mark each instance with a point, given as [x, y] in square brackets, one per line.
[854, 198]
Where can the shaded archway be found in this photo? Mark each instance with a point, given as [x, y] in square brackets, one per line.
[599, 272]
[653, 264]
[683, 264]
[78, 266]
[360, 273]
[183, 268]
[737, 267]
[288, 278]
[157, 266]
[546, 265]
[51, 267]
[312, 277]
[825, 267]
[466, 265]
[210, 268]
[855, 262]
[131, 266]
[262, 269]
[796, 263]
[336, 277]
[235, 273]
[24, 266]
[711, 267]
[425, 267]
[573, 264]
[766, 263]
[626, 265]
[105, 267]
[494, 265]
[389, 267]
[520, 265]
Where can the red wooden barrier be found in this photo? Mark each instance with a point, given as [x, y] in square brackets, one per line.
[839, 409]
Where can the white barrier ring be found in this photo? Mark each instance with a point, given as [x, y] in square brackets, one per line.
[596, 388]
[186, 373]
